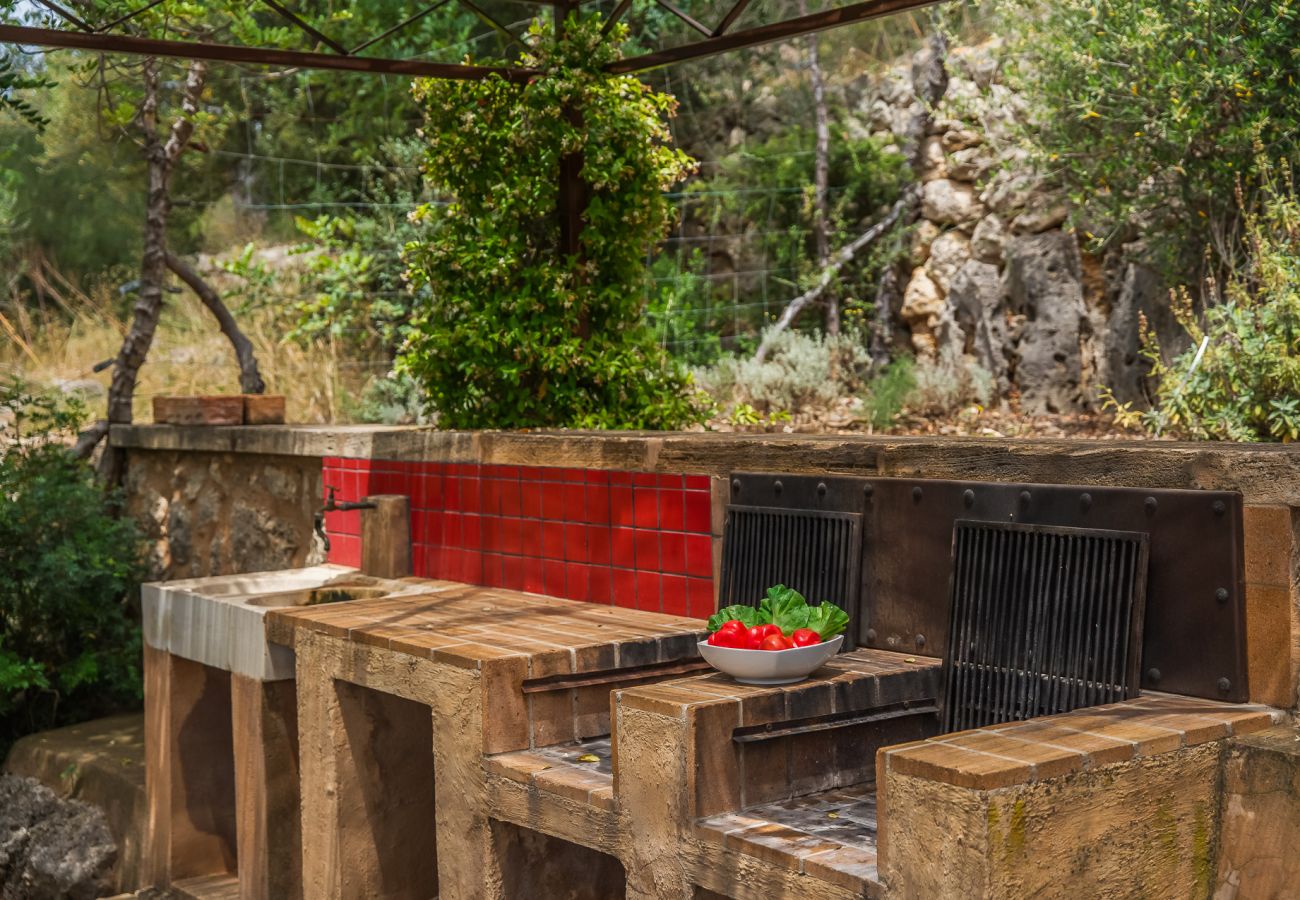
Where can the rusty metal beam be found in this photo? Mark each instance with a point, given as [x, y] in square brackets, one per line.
[306, 27]
[400, 25]
[730, 18]
[257, 56]
[685, 17]
[766, 34]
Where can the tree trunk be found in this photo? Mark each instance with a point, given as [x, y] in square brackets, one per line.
[839, 260]
[160, 159]
[250, 379]
[821, 175]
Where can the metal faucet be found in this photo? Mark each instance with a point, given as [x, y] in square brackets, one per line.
[332, 505]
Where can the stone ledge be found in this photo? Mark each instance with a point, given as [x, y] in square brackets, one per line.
[1025, 752]
[1263, 473]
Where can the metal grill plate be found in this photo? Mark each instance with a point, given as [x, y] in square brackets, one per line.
[1194, 637]
[1044, 620]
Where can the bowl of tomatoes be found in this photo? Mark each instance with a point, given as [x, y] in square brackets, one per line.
[783, 639]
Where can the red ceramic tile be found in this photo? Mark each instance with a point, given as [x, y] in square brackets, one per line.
[553, 578]
[699, 555]
[530, 537]
[697, 482]
[471, 531]
[621, 510]
[470, 567]
[551, 473]
[624, 547]
[451, 529]
[469, 495]
[645, 479]
[491, 493]
[387, 483]
[552, 540]
[530, 499]
[646, 505]
[598, 476]
[553, 501]
[345, 550]
[671, 510]
[672, 552]
[673, 481]
[426, 561]
[451, 486]
[420, 526]
[510, 504]
[515, 570]
[431, 492]
[575, 542]
[699, 593]
[597, 505]
[575, 503]
[493, 540]
[698, 515]
[575, 582]
[575, 475]
[599, 544]
[342, 523]
[532, 575]
[676, 601]
[624, 589]
[620, 478]
[332, 462]
[493, 573]
[512, 539]
[647, 551]
[649, 591]
[600, 583]
[509, 473]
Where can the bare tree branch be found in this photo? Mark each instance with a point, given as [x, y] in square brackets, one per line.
[161, 158]
[250, 379]
[839, 260]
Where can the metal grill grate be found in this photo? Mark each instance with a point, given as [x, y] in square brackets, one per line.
[1043, 620]
[816, 552]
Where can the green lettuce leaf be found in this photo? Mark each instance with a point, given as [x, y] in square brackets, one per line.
[827, 620]
[787, 607]
[746, 614]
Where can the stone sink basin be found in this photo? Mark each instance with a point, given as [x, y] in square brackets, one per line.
[217, 621]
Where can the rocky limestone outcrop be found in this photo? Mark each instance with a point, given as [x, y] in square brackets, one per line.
[51, 848]
[996, 278]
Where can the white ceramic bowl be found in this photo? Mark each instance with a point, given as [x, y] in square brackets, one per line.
[770, 666]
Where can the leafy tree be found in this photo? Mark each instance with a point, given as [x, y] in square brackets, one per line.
[1240, 380]
[518, 334]
[13, 80]
[69, 570]
[1152, 109]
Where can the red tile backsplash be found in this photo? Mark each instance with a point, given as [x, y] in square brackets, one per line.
[634, 539]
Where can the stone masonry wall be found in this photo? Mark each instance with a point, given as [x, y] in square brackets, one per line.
[223, 513]
[997, 278]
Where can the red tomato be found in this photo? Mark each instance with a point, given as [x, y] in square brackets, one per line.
[777, 641]
[805, 637]
[731, 638]
[713, 639]
[732, 625]
[754, 637]
[769, 629]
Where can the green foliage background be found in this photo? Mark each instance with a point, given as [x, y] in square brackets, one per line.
[517, 334]
[69, 575]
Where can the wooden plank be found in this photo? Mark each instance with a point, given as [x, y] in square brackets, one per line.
[210, 410]
[263, 409]
[264, 717]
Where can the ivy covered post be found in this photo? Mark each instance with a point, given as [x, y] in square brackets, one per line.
[535, 319]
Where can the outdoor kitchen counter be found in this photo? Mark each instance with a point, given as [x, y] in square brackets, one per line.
[401, 700]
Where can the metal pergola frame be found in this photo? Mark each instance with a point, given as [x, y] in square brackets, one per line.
[107, 38]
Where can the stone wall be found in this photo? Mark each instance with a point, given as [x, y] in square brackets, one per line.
[221, 513]
[996, 277]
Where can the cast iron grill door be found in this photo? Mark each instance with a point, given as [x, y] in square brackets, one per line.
[1043, 620]
[811, 551]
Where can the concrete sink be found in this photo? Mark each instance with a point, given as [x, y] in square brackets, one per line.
[218, 621]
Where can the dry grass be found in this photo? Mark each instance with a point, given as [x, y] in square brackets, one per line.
[189, 355]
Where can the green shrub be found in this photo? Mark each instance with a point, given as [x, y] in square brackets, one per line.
[801, 370]
[69, 570]
[1152, 108]
[1240, 379]
[516, 334]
